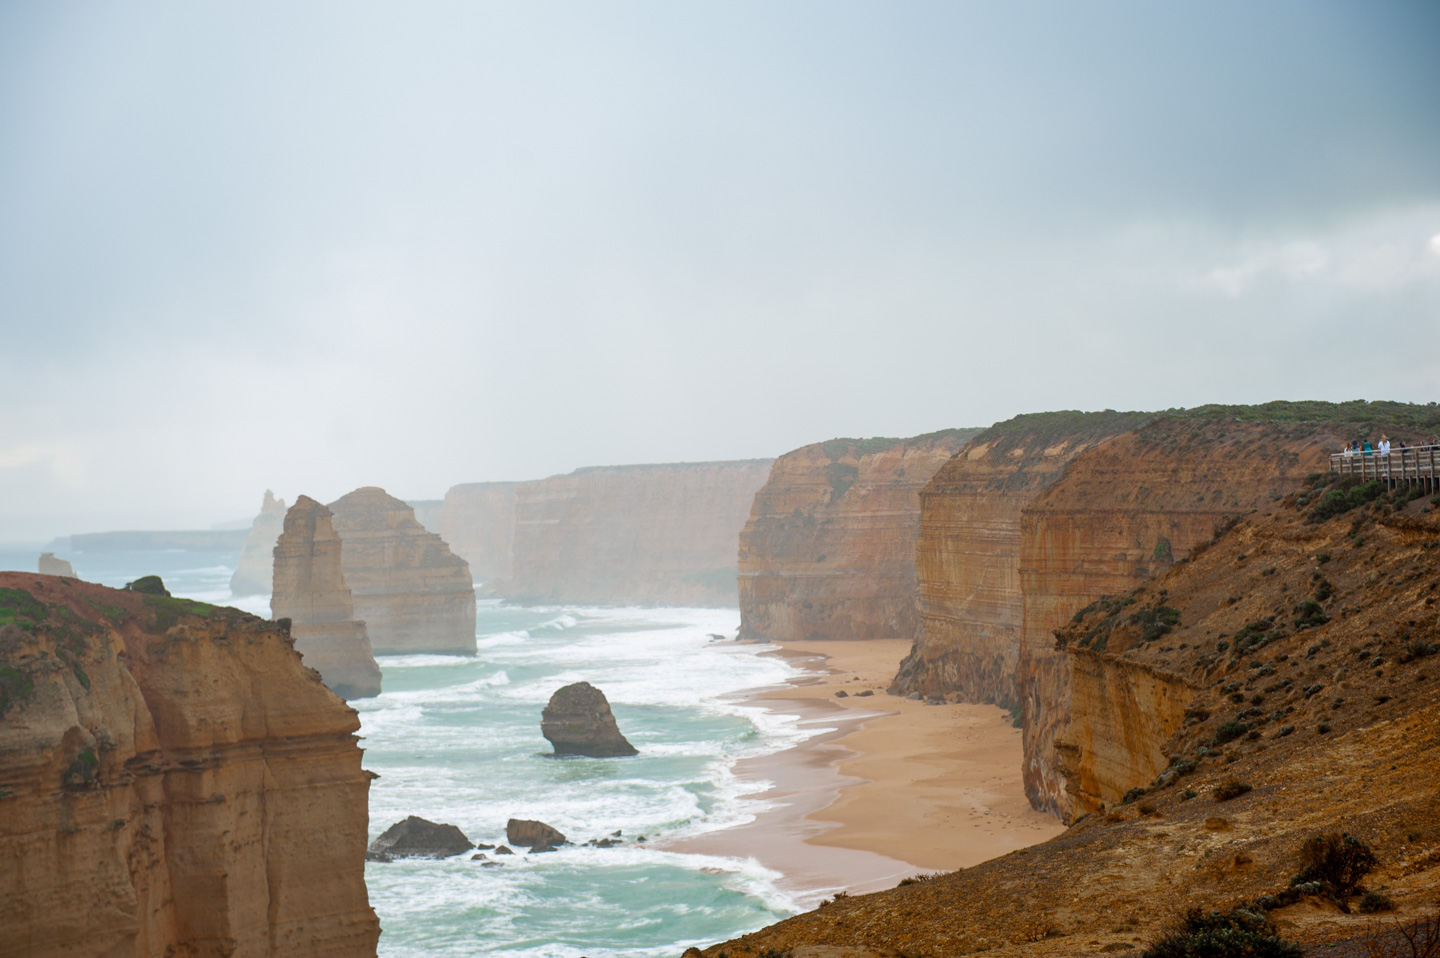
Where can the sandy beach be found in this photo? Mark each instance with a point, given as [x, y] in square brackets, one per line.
[894, 787]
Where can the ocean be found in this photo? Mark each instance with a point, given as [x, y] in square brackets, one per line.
[456, 739]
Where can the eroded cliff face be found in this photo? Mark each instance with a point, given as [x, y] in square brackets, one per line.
[478, 520]
[253, 572]
[1124, 510]
[645, 535]
[829, 549]
[410, 590]
[173, 780]
[967, 553]
[310, 591]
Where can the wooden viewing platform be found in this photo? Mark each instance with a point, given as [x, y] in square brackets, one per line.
[1416, 464]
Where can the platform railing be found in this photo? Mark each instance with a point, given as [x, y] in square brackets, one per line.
[1413, 464]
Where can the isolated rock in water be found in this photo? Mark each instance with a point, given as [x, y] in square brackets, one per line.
[148, 585]
[417, 838]
[578, 721]
[528, 834]
[253, 572]
[49, 565]
[412, 593]
[310, 591]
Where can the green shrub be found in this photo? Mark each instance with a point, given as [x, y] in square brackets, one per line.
[18, 607]
[1155, 622]
[15, 687]
[1239, 933]
[1349, 493]
[1229, 732]
[1230, 788]
[1338, 862]
[920, 878]
[1373, 901]
[1308, 615]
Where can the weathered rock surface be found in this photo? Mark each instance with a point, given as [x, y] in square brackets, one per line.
[410, 590]
[417, 838]
[478, 520]
[49, 565]
[530, 834]
[1124, 510]
[578, 721]
[310, 591]
[173, 780]
[427, 513]
[642, 535]
[829, 549]
[253, 572]
[968, 552]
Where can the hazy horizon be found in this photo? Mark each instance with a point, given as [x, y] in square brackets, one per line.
[314, 247]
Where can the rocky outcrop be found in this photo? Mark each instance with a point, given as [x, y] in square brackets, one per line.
[829, 549]
[967, 553]
[578, 721]
[173, 780]
[309, 590]
[417, 838]
[427, 513]
[49, 565]
[531, 834]
[410, 590]
[642, 535]
[478, 520]
[1124, 510]
[253, 571]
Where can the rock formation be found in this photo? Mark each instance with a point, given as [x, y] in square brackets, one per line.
[252, 573]
[427, 513]
[642, 535]
[968, 551]
[410, 590]
[532, 834]
[829, 550]
[417, 838]
[578, 721]
[49, 565]
[173, 781]
[478, 520]
[309, 590]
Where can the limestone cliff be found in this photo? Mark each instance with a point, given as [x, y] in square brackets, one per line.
[310, 591]
[1124, 510]
[644, 535]
[50, 565]
[478, 520]
[829, 549]
[173, 780]
[410, 590]
[968, 551]
[252, 573]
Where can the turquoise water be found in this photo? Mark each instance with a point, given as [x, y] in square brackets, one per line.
[457, 739]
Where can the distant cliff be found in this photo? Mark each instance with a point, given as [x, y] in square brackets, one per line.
[172, 781]
[310, 591]
[478, 520]
[410, 590]
[646, 535]
[252, 573]
[829, 549]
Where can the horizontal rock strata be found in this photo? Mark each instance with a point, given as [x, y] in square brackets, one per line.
[829, 549]
[309, 590]
[410, 590]
[478, 521]
[253, 571]
[173, 780]
[50, 565]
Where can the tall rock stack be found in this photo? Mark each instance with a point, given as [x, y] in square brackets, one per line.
[50, 565]
[252, 574]
[309, 590]
[412, 592]
[478, 521]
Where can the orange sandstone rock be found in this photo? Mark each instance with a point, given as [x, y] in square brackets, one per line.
[829, 549]
[173, 780]
[253, 571]
[310, 591]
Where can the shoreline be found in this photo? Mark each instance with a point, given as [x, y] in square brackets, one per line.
[893, 788]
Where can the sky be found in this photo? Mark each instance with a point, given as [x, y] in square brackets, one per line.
[311, 246]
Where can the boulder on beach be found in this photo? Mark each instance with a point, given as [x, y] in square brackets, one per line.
[417, 838]
[578, 721]
[528, 834]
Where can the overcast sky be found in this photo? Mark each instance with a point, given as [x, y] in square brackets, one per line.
[313, 246]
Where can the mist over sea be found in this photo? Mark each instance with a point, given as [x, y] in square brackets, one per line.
[457, 739]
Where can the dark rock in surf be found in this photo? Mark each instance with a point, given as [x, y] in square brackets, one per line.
[528, 834]
[578, 721]
[417, 838]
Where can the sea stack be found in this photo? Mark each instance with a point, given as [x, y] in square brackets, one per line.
[413, 593]
[252, 573]
[309, 590]
[49, 565]
[578, 721]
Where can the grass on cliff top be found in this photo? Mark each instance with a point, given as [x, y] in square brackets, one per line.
[168, 609]
[837, 448]
[18, 607]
